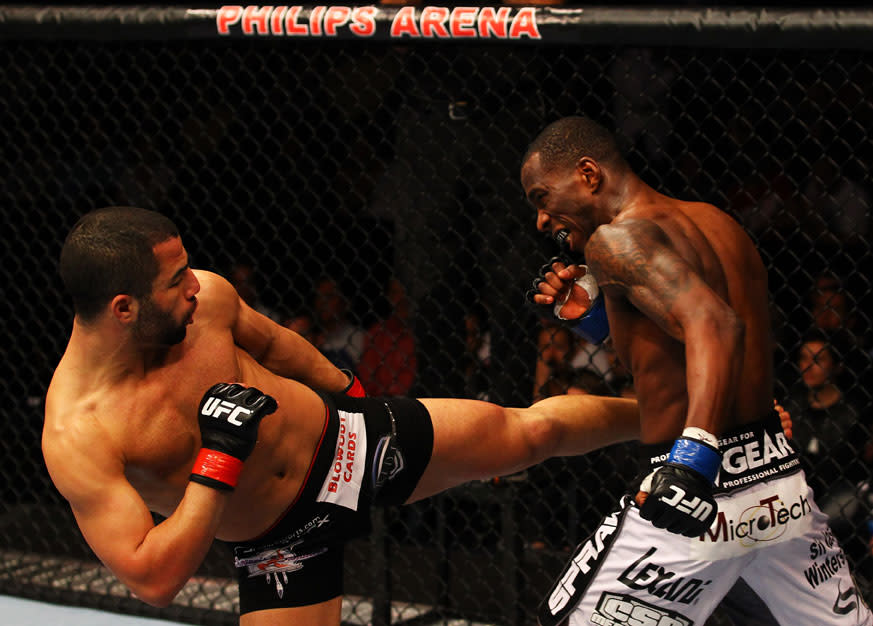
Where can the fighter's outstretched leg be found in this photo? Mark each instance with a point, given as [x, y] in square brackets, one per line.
[479, 440]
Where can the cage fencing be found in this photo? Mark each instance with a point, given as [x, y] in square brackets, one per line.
[380, 146]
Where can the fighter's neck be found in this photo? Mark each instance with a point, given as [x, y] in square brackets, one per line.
[637, 197]
[111, 353]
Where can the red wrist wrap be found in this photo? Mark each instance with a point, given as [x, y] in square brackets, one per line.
[218, 466]
[356, 389]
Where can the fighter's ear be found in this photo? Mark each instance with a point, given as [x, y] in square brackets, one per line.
[590, 173]
[125, 308]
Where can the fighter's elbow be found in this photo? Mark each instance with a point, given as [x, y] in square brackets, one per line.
[735, 328]
[728, 328]
[158, 593]
[158, 596]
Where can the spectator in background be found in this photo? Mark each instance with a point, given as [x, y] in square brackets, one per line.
[342, 341]
[619, 380]
[836, 202]
[574, 381]
[584, 381]
[765, 203]
[388, 364]
[476, 363]
[830, 304]
[556, 348]
[833, 310]
[833, 436]
[303, 323]
[561, 357]
[593, 357]
[568, 500]
[642, 83]
[244, 279]
[828, 308]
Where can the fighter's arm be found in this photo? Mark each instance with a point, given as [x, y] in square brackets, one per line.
[277, 348]
[153, 561]
[635, 260]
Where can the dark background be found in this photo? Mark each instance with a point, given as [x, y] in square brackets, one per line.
[372, 160]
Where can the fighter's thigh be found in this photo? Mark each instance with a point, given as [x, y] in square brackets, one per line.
[474, 440]
[327, 613]
[807, 580]
[630, 572]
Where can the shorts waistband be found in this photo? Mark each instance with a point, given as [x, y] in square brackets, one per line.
[318, 468]
[750, 453]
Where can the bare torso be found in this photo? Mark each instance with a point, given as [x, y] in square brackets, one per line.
[150, 422]
[718, 250]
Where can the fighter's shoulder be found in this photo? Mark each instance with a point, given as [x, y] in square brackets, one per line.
[217, 296]
[704, 217]
[630, 236]
[72, 415]
[74, 434]
[212, 283]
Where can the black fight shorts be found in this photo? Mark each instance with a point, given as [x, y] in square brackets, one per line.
[374, 451]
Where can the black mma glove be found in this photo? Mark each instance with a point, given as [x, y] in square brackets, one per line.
[229, 418]
[545, 309]
[593, 324]
[678, 495]
[560, 238]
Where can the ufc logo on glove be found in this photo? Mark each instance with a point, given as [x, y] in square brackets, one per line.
[679, 493]
[694, 506]
[226, 444]
[216, 407]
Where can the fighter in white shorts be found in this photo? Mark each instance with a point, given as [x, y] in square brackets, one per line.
[768, 531]
[681, 291]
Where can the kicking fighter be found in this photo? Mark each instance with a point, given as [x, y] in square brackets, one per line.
[173, 396]
[682, 292]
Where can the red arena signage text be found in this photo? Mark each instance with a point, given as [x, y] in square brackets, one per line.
[430, 22]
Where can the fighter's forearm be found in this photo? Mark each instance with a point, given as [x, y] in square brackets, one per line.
[285, 352]
[172, 551]
[290, 355]
[713, 354]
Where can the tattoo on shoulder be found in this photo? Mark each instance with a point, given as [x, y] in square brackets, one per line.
[638, 254]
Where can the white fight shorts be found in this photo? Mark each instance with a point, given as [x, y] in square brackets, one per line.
[768, 531]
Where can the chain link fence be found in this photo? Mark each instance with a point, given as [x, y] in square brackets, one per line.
[393, 165]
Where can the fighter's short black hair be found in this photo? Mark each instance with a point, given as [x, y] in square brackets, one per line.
[564, 142]
[108, 252]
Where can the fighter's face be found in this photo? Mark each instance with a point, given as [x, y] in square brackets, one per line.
[562, 198]
[165, 313]
[155, 326]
